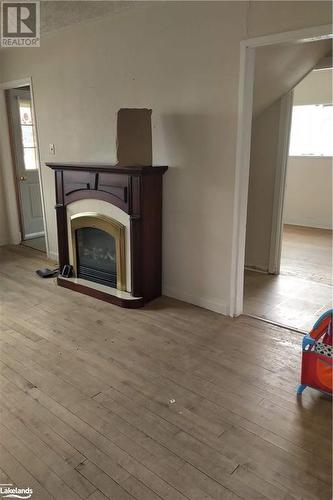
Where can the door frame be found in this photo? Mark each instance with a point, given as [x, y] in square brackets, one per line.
[243, 150]
[280, 182]
[13, 188]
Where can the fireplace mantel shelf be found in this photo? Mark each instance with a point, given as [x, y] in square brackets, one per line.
[106, 167]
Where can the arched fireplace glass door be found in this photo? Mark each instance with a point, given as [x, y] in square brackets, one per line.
[98, 249]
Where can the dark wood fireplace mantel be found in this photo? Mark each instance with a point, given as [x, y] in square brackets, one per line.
[135, 190]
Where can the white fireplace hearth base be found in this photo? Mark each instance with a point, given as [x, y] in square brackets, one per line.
[103, 292]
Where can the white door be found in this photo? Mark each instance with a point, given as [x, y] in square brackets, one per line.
[26, 162]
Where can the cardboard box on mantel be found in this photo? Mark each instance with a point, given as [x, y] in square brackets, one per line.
[134, 138]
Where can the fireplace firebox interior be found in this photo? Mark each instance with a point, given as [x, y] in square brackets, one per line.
[96, 256]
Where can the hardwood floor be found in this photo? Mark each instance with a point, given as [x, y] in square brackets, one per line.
[286, 300]
[303, 289]
[307, 253]
[170, 402]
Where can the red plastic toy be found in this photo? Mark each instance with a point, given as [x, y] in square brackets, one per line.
[317, 356]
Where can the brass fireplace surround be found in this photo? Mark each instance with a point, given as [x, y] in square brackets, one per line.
[110, 226]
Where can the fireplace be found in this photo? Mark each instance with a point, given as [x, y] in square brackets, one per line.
[98, 247]
[109, 226]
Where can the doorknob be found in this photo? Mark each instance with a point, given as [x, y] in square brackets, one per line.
[22, 178]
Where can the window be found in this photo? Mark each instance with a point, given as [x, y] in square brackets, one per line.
[312, 131]
[28, 134]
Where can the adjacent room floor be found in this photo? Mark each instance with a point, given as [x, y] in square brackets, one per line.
[303, 290]
[171, 401]
[307, 253]
[36, 243]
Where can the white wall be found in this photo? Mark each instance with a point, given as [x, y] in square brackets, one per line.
[308, 198]
[316, 88]
[263, 161]
[182, 60]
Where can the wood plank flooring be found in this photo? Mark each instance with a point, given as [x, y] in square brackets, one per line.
[307, 253]
[170, 402]
[286, 300]
[303, 290]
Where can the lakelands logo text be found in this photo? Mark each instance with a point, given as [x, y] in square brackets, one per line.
[10, 491]
[20, 24]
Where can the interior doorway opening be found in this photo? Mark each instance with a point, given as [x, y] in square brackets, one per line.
[295, 286]
[26, 168]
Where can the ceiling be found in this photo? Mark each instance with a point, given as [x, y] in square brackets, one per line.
[56, 15]
[279, 68]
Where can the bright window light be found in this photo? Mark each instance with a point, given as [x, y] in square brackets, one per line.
[312, 131]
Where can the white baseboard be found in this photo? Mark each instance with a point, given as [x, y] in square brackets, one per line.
[32, 236]
[256, 269]
[308, 223]
[53, 256]
[14, 239]
[212, 305]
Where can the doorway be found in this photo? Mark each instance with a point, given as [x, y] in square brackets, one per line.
[24, 145]
[299, 288]
[245, 109]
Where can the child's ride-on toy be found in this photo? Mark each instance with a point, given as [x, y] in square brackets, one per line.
[317, 356]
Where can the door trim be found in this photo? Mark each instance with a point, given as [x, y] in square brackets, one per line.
[33, 235]
[280, 183]
[11, 187]
[13, 117]
[245, 108]
[13, 158]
